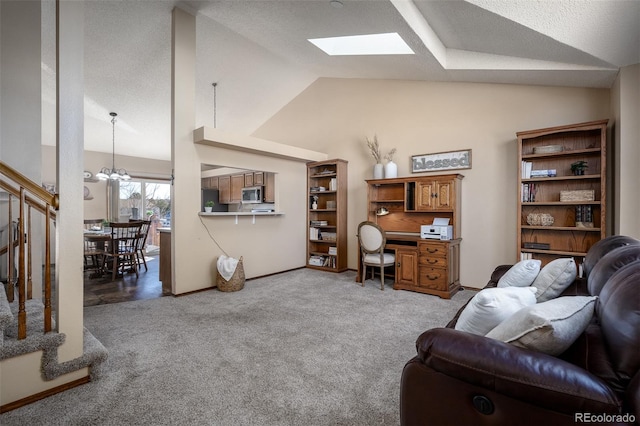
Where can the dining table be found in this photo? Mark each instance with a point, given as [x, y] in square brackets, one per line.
[101, 238]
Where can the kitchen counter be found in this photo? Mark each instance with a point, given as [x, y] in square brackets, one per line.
[165, 260]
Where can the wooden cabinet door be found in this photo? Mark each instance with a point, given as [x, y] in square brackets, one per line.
[248, 180]
[444, 194]
[258, 178]
[435, 195]
[425, 199]
[224, 185]
[407, 266]
[237, 183]
[213, 182]
[269, 188]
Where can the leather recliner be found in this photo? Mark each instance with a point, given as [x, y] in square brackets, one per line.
[458, 378]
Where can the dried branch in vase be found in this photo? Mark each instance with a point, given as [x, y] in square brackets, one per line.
[374, 147]
[389, 156]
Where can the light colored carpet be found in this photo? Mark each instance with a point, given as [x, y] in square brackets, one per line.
[300, 348]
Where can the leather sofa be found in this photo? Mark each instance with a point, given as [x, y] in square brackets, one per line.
[458, 378]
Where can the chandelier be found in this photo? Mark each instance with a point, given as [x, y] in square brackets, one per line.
[113, 173]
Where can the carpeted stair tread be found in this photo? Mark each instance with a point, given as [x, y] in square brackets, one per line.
[35, 318]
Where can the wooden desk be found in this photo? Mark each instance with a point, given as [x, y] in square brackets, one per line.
[423, 265]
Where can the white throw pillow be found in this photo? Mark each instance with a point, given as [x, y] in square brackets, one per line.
[549, 327]
[554, 278]
[491, 306]
[521, 274]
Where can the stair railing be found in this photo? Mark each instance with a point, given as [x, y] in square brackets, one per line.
[31, 198]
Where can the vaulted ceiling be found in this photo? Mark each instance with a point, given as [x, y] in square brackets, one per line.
[259, 54]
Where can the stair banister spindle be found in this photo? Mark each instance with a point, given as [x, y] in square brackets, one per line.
[22, 311]
[29, 256]
[47, 269]
[10, 254]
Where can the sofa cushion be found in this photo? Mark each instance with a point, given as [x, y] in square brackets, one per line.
[491, 306]
[549, 327]
[521, 274]
[554, 278]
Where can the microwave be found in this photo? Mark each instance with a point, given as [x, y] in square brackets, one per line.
[252, 195]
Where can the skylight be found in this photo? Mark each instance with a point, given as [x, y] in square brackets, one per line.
[371, 44]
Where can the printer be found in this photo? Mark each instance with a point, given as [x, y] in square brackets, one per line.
[439, 230]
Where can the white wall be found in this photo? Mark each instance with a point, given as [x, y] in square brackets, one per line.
[336, 115]
[93, 162]
[626, 150]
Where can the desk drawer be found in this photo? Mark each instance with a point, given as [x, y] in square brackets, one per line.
[432, 261]
[433, 278]
[433, 249]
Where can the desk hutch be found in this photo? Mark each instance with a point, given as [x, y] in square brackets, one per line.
[422, 265]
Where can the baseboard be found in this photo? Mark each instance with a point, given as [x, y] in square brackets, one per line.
[33, 398]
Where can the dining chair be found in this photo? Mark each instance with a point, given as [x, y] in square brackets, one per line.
[93, 251]
[122, 248]
[372, 240]
[142, 241]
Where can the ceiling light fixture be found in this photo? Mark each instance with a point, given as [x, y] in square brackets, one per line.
[337, 4]
[113, 174]
[369, 44]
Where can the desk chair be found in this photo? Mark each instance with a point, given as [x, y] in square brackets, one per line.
[372, 240]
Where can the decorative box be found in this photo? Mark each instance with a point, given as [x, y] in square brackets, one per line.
[578, 195]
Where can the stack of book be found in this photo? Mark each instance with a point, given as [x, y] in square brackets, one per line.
[584, 216]
[529, 192]
[318, 223]
[314, 233]
[317, 189]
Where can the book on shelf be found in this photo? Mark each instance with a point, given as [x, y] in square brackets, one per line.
[333, 250]
[526, 169]
[584, 216]
[314, 233]
[537, 246]
[529, 191]
[318, 223]
[333, 184]
[543, 173]
[526, 256]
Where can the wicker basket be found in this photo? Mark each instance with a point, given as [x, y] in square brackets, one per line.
[235, 283]
[578, 195]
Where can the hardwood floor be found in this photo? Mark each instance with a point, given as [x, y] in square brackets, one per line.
[102, 290]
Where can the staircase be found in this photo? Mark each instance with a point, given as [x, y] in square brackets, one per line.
[27, 322]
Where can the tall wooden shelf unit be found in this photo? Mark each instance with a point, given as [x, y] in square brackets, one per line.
[327, 223]
[565, 237]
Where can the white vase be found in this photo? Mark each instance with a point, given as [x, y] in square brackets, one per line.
[208, 209]
[314, 205]
[390, 170]
[378, 171]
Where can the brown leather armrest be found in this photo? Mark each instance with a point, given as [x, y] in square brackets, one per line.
[522, 374]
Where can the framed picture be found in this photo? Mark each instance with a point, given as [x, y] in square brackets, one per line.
[439, 161]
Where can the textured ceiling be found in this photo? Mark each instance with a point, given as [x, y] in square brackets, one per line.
[258, 53]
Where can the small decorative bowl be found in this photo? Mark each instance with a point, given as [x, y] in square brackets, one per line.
[540, 219]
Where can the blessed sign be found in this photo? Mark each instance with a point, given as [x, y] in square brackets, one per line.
[441, 161]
